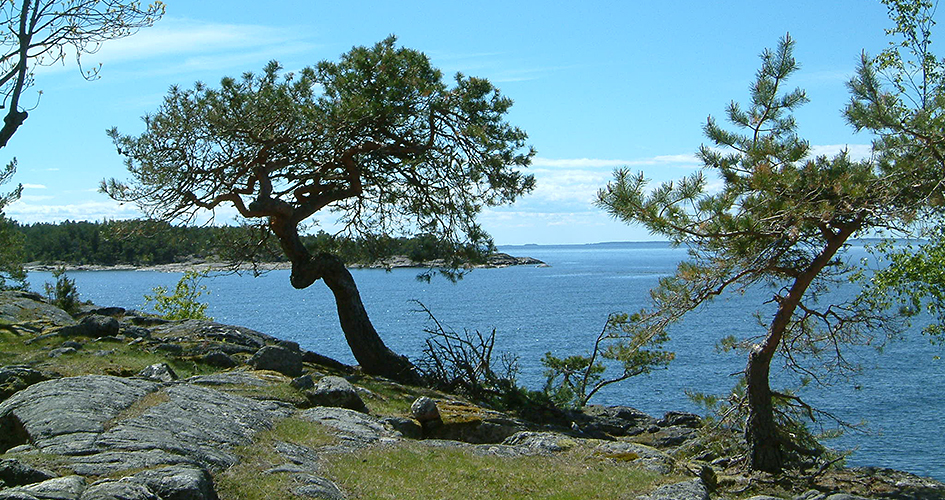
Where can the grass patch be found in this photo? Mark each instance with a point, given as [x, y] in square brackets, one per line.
[247, 479]
[60, 464]
[390, 398]
[270, 392]
[414, 470]
[139, 407]
[96, 357]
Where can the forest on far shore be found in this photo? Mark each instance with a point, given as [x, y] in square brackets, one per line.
[144, 242]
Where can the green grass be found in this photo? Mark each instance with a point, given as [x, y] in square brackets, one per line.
[107, 357]
[414, 470]
[247, 481]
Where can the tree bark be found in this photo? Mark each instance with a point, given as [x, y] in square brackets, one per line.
[367, 346]
[764, 440]
[761, 433]
[372, 354]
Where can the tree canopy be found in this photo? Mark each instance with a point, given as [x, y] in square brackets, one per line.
[778, 223]
[378, 139]
[899, 96]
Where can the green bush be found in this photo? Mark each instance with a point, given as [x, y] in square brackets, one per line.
[63, 293]
[183, 303]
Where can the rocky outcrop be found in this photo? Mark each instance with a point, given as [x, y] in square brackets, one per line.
[151, 435]
[25, 310]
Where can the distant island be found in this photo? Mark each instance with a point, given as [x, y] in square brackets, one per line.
[159, 246]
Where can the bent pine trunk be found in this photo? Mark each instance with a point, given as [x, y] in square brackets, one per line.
[765, 441]
[761, 433]
[369, 350]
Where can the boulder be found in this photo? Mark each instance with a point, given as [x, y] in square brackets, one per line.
[121, 489]
[16, 473]
[178, 482]
[160, 372]
[425, 411]
[352, 428]
[201, 330]
[66, 415]
[62, 351]
[540, 443]
[22, 307]
[337, 392]
[613, 420]
[407, 427]
[637, 454]
[16, 378]
[94, 325]
[279, 359]
[59, 488]
[87, 308]
[184, 425]
[313, 486]
[686, 490]
[303, 383]
[219, 359]
[672, 436]
[680, 419]
[196, 422]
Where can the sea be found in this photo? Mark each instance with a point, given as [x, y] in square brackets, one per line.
[899, 396]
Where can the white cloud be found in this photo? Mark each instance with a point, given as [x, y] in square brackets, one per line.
[26, 211]
[193, 45]
[33, 186]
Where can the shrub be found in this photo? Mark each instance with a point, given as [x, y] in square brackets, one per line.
[63, 293]
[183, 303]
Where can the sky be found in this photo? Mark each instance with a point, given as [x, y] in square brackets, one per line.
[597, 85]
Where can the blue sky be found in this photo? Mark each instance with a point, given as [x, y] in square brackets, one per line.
[597, 86]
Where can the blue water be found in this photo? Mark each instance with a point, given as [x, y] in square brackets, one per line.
[561, 308]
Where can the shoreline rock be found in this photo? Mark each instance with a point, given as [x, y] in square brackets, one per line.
[157, 436]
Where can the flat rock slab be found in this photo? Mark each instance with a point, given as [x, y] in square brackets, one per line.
[352, 427]
[197, 422]
[184, 424]
[196, 330]
[66, 416]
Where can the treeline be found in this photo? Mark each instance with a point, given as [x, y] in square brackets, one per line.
[142, 242]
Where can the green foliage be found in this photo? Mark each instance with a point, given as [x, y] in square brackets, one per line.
[377, 137]
[780, 220]
[12, 274]
[573, 381]
[912, 280]
[899, 96]
[63, 293]
[183, 303]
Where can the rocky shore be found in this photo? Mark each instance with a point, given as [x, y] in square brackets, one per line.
[114, 404]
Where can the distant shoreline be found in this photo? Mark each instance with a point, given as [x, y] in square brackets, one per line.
[494, 261]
